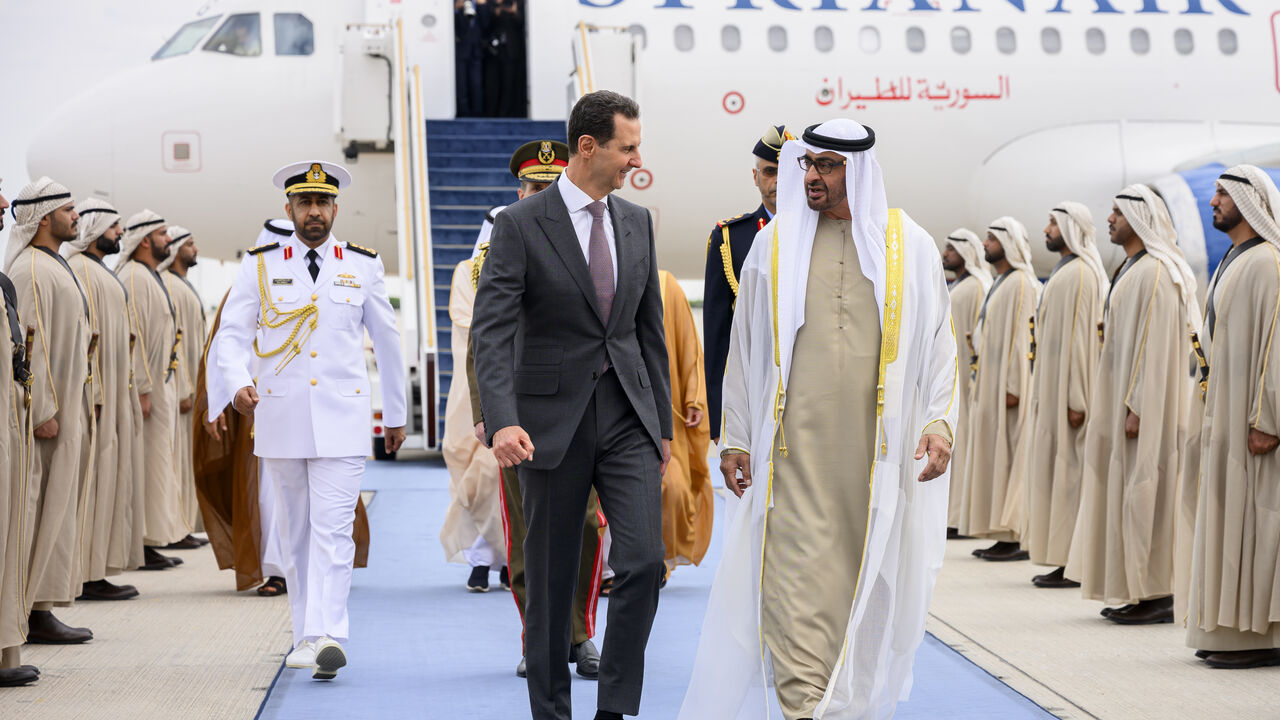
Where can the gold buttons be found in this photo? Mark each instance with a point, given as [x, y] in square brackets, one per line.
[348, 299]
[357, 391]
[313, 381]
[279, 298]
[268, 391]
[315, 297]
[313, 353]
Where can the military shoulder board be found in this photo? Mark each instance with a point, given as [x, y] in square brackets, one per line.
[263, 248]
[362, 250]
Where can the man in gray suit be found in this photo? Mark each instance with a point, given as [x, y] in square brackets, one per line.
[571, 358]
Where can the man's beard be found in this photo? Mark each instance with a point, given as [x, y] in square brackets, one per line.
[313, 233]
[107, 247]
[994, 257]
[1054, 244]
[191, 262]
[159, 252]
[1227, 223]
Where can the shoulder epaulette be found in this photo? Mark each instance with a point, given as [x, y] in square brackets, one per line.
[476, 264]
[263, 248]
[362, 250]
[729, 221]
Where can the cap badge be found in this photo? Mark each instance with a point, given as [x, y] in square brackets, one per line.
[545, 153]
[316, 174]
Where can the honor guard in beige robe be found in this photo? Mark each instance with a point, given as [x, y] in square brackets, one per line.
[999, 397]
[188, 309]
[15, 487]
[155, 363]
[112, 539]
[1123, 546]
[1064, 361]
[964, 257]
[838, 414]
[1233, 619]
[50, 300]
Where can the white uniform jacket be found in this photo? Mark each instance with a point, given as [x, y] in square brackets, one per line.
[317, 404]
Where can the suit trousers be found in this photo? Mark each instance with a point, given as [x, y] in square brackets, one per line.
[589, 564]
[315, 512]
[611, 452]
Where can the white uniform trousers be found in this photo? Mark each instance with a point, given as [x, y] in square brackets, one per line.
[315, 512]
[272, 551]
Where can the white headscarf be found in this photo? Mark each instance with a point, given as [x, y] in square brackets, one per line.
[797, 224]
[32, 205]
[969, 247]
[178, 236]
[275, 230]
[1149, 217]
[1257, 197]
[1076, 223]
[96, 217]
[1012, 236]
[486, 229]
[136, 228]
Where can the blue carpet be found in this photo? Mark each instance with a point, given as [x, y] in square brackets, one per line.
[423, 647]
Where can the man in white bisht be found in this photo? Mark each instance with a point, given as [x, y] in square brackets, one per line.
[844, 418]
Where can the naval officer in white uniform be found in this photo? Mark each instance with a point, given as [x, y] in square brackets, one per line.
[301, 306]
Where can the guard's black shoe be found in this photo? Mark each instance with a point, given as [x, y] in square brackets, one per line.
[479, 580]
[587, 658]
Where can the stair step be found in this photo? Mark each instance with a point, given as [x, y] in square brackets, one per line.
[469, 177]
[485, 197]
[463, 216]
[469, 160]
[476, 143]
[510, 127]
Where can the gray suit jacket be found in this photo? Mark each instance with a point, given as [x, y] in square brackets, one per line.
[539, 341]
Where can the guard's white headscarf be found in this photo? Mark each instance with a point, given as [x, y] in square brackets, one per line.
[1256, 196]
[178, 236]
[486, 229]
[969, 247]
[1149, 217]
[797, 224]
[32, 205]
[1076, 223]
[96, 218]
[136, 228]
[1012, 236]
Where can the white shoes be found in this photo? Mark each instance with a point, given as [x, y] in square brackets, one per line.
[329, 657]
[303, 656]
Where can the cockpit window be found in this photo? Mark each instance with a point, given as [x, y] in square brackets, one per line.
[239, 35]
[187, 37]
[294, 34]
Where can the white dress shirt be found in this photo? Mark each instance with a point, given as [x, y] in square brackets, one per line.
[577, 201]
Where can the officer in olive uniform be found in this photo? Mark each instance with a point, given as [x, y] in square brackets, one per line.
[726, 250]
[536, 165]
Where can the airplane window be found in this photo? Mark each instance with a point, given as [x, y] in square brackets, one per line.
[1006, 40]
[639, 31]
[1095, 41]
[239, 35]
[1227, 42]
[869, 40]
[961, 42]
[1183, 41]
[294, 34]
[1051, 40]
[777, 38]
[915, 39]
[187, 37]
[684, 38]
[1140, 41]
[823, 38]
[730, 38]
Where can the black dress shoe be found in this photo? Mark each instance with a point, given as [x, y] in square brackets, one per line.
[479, 580]
[1005, 552]
[504, 578]
[16, 677]
[45, 629]
[522, 669]
[587, 658]
[1055, 579]
[954, 534]
[980, 552]
[103, 590]
[1147, 612]
[186, 543]
[1202, 654]
[155, 561]
[608, 715]
[1107, 611]
[1243, 659]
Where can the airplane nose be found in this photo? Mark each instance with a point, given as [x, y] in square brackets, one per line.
[75, 146]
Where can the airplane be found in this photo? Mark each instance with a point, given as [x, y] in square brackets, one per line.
[982, 108]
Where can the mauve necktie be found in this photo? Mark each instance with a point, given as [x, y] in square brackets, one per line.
[600, 261]
[313, 267]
